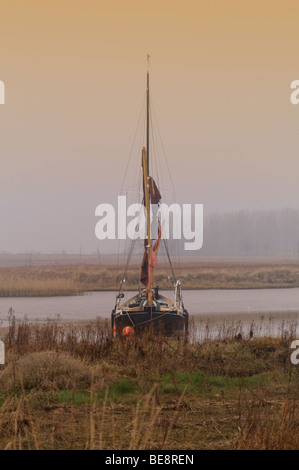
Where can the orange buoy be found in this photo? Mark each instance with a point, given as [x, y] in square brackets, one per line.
[128, 331]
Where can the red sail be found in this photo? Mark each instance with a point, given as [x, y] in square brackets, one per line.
[146, 274]
[154, 193]
[155, 196]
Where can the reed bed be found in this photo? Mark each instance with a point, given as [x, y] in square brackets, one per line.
[56, 280]
[71, 386]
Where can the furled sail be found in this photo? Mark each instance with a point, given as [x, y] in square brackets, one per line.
[154, 193]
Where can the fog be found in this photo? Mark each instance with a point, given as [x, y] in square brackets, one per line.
[75, 80]
[252, 233]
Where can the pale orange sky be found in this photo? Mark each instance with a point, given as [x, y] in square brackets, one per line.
[74, 73]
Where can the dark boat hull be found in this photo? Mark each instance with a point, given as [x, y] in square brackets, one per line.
[165, 323]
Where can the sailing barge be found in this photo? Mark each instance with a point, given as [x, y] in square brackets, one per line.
[149, 310]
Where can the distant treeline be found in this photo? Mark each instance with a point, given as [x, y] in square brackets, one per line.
[250, 233]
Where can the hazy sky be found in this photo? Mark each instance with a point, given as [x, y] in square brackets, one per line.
[74, 73]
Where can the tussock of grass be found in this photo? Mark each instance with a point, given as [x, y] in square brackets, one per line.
[45, 370]
[271, 427]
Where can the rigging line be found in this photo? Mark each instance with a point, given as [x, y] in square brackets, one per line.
[158, 181]
[156, 165]
[125, 175]
[169, 260]
[133, 242]
[165, 244]
[175, 199]
[131, 319]
[124, 178]
[153, 142]
[161, 141]
[138, 166]
[152, 319]
[170, 176]
[135, 135]
[131, 190]
[129, 258]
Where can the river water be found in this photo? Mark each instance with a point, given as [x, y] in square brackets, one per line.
[274, 309]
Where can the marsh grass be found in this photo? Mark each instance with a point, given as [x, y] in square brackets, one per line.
[56, 280]
[73, 387]
[270, 426]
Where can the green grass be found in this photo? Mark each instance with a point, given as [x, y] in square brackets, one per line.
[123, 387]
[201, 383]
[114, 393]
[3, 397]
[72, 397]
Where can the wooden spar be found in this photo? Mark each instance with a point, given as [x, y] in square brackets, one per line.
[147, 116]
[146, 188]
[148, 215]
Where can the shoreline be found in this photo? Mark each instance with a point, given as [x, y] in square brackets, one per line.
[55, 280]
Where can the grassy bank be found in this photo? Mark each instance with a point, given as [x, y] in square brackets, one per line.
[72, 387]
[55, 280]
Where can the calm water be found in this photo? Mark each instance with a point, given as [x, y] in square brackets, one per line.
[271, 306]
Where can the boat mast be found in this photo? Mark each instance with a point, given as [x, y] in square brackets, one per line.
[147, 115]
[148, 217]
[145, 161]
